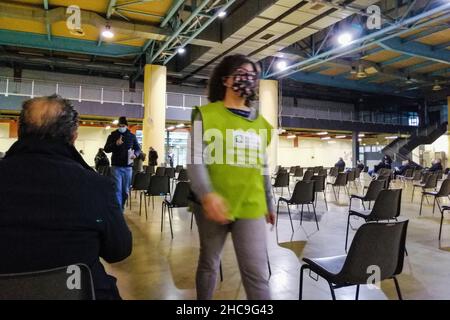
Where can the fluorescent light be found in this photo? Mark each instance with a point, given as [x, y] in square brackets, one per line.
[341, 137]
[322, 133]
[281, 131]
[108, 127]
[181, 125]
[359, 139]
[107, 33]
[331, 142]
[291, 136]
[344, 38]
[115, 122]
[282, 65]
[326, 138]
[170, 128]
[391, 137]
[361, 135]
[222, 14]
[181, 50]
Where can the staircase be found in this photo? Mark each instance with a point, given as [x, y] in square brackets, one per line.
[400, 149]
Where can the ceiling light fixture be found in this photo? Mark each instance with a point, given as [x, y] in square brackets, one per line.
[341, 137]
[170, 128]
[115, 122]
[291, 136]
[108, 127]
[344, 39]
[326, 138]
[361, 135]
[361, 73]
[181, 50]
[282, 65]
[391, 137]
[436, 86]
[222, 14]
[322, 133]
[181, 125]
[107, 33]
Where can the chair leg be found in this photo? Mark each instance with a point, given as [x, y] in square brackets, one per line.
[325, 199]
[357, 292]
[412, 195]
[290, 218]
[278, 212]
[145, 206]
[346, 234]
[364, 207]
[192, 219]
[370, 202]
[334, 191]
[301, 216]
[221, 271]
[170, 219]
[440, 226]
[163, 209]
[397, 287]
[153, 202]
[421, 203]
[300, 289]
[268, 265]
[315, 216]
[289, 190]
[332, 291]
[140, 203]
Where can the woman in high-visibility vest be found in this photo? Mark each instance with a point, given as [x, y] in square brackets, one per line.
[229, 175]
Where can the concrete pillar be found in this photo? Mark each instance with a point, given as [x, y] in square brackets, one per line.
[154, 122]
[355, 148]
[268, 106]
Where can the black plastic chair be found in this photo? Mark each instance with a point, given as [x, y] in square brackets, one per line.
[160, 171]
[159, 187]
[182, 176]
[429, 181]
[319, 186]
[141, 184]
[303, 194]
[308, 175]
[444, 192]
[351, 178]
[298, 172]
[180, 199]
[373, 190]
[322, 172]
[375, 244]
[50, 284]
[341, 181]
[333, 172]
[387, 206]
[281, 181]
[178, 168]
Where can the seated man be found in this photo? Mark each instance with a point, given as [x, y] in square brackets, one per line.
[436, 166]
[55, 210]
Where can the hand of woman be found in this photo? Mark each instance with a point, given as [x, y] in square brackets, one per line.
[215, 208]
[270, 218]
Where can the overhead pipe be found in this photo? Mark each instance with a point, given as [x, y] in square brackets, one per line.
[338, 52]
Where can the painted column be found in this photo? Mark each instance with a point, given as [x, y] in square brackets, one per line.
[355, 148]
[154, 122]
[268, 105]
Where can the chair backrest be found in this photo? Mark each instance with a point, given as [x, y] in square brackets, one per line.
[425, 177]
[417, 175]
[170, 172]
[180, 197]
[282, 179]
[333, 172]
[385, 180]
[409, 173]
[341, 179]
[317, 169]
[351, 175]
[159, 186]
[374, 189]
[322, 172]
[65, 283]
[141, 181]
[298, 172]
[308, 175]
[431, 181]
[150, 170]
[444, 191]
[292, 170]
[387, 205]
[303, 193]
[160, 171]
[104, 170]
[183, 175]
[319, 183]
[178, 168]
[375, 245]
[357, 173]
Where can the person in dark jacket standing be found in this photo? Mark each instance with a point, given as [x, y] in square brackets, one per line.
[124, 147]
[340, 165]
[56, 210]
[152, 157]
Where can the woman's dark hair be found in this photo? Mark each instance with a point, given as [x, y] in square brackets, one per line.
[229, 64]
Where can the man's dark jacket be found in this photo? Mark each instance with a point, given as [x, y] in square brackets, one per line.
[56, 211]
[119, 156]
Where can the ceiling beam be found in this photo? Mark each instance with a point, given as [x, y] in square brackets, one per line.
[111, 8]
[416, 49]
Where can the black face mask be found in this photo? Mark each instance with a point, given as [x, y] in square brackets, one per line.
[244, 84]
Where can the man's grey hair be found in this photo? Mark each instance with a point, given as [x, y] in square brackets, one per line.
[49, 117]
